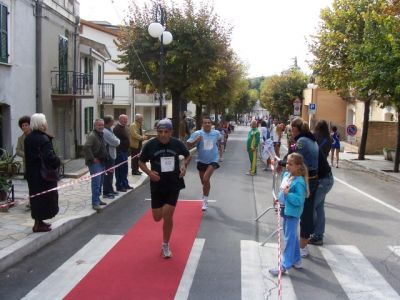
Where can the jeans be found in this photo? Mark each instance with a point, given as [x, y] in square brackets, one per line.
[135, 161]
[108, 178]
[121, 173]
[307, 217]
[324, 186]
[291, 253]
[97, 182]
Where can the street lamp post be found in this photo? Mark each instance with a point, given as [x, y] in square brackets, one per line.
[157, 30]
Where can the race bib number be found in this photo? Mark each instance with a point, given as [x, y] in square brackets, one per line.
[208, 144]
[167, 164]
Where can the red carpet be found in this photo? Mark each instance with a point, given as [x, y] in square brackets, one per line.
[135, 269]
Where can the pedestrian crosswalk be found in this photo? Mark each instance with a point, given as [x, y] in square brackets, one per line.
[355, 274]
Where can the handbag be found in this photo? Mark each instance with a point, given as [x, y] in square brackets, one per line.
[48, 173]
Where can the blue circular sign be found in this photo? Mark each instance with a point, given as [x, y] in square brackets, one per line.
[351, 130]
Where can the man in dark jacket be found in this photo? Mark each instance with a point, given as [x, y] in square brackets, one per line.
[95, 157]
[121, 173]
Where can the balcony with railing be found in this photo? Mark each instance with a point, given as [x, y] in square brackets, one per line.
[106, 93]
[69, 84]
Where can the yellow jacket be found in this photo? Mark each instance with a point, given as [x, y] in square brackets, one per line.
[134, 135]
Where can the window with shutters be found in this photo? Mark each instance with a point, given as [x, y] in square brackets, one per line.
[63, 64]
[88, 119]
[3, 34]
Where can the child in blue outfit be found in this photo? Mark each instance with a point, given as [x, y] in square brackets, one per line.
[293, 191]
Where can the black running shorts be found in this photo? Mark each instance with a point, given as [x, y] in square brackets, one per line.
[203, 167]
[161, 197]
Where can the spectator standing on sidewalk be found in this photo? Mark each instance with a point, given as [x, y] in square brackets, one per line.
[136, 138]
[121, 173]
[38, 147]
[24, 124]
[253, 140]
[325, 181]
[183, 129]
[96, 155]
[206, 141]
[335, 146]
[166, 177]
[111, 143]
[276, 135]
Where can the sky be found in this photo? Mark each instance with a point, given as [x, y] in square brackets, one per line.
[267, 34]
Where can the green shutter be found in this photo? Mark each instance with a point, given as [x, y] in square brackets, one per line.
[3, 34]
[91, 118]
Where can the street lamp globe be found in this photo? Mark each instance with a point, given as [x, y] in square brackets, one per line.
[166, 37]
[155, 29]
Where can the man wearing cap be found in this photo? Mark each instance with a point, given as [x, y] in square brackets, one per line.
[166, 176]
[206, 141]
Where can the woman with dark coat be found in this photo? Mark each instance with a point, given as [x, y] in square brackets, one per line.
[39, 143]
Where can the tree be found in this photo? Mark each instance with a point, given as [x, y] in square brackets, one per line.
[341, 60]
[382, 58]
[200, 41]
[279, 91]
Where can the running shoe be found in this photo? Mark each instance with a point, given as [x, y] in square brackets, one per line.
[165, 251]
[205, 205]
[304, 252]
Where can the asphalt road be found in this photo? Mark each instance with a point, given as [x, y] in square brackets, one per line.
[359, 225]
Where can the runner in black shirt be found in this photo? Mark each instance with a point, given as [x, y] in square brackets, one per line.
[166, 176]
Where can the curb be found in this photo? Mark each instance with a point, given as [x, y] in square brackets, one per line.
[379, 173]
[16, 252]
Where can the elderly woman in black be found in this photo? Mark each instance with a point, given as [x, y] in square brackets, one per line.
[38, 146]
[307, 146]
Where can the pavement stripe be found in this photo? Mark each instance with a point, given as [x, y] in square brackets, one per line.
[395, 250]
[257, 283]
[190, 270]
[63, 280]
[369, 196]
[357, 276]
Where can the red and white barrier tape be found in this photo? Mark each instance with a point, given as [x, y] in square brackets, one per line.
[279, 254]
[81, 179]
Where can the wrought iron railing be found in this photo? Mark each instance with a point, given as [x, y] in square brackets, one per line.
[71, 83]
[106, 92]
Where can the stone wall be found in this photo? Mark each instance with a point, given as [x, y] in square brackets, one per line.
[381, 134]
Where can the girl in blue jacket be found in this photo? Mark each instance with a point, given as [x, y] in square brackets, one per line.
[293, 191]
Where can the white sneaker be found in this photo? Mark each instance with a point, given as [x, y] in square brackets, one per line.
[298, 265]
[165, 251]
[205, 205]
[304, 252]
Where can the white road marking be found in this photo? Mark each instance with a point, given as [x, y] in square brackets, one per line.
[357, 276]
[257, 283]
[190, 270]
[64, 279]
[184, 200]
[369, 196]
[395, 250]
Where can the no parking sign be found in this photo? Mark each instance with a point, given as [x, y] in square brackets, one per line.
[351, 130]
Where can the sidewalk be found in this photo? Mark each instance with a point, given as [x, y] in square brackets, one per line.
[375, 164]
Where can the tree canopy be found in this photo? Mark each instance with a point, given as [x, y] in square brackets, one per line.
[279, 91]
[199, 63]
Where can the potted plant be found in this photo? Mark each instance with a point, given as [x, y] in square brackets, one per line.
[8, 168]
[388, 153]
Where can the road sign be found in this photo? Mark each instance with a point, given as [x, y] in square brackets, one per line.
[312, 108]
[351, 130]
